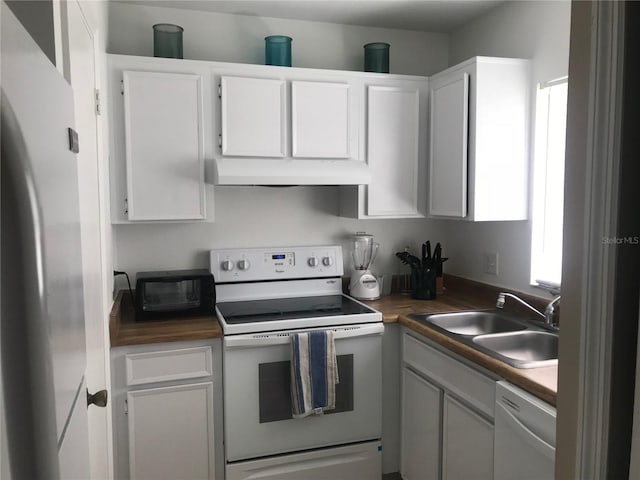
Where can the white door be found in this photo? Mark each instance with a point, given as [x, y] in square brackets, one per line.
[420, 428]
[320, 120]
[393, 132]
[467, 443]
[92, 224]
[171, 433]
[164, 143]
[449, 140]
[253, 117]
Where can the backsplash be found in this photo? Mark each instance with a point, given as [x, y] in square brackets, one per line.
[266, 216]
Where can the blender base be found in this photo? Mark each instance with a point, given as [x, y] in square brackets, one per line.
[364, 286]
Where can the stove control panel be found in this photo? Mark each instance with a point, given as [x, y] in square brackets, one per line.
[276, 263]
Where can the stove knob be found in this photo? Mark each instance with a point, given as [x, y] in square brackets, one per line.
[227, 265]
[313, 262]
[244, 264]
[327, 261]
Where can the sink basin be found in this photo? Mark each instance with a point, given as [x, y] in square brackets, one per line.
[471, 323]
[524, 349]
[516, 341]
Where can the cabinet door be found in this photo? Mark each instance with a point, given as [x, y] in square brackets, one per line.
[467, 442]
[164, 146]
[320, 120]
[253, 117]
[449, 140]
[393, 126]
[171, 432]
[420, 428]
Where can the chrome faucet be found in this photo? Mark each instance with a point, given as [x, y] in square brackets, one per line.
[548, 311]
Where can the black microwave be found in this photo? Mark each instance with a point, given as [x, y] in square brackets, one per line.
[175, 293]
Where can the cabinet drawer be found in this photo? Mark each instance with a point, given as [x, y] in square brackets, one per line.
[168, 365]
[474, 387]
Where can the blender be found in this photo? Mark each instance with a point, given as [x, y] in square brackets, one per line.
[363, 285]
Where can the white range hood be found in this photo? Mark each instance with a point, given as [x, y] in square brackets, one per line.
[287, 171]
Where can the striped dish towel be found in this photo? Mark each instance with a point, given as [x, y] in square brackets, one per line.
[314, 373]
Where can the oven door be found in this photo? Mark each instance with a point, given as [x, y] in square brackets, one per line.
[257, 396]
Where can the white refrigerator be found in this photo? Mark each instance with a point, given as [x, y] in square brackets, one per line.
[42, 342]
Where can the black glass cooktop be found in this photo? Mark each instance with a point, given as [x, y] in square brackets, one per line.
[253, 311]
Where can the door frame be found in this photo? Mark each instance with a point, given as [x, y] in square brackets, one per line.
[590, 261]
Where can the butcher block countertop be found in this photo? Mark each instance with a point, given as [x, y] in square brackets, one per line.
[467, 295]
[124, 330]
[460, 295]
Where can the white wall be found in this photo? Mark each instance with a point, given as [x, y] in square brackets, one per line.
[539, 31]
[240, 38]
[38, 19]
[263, 216]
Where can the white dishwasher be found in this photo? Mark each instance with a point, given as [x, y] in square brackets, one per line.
[525, 435]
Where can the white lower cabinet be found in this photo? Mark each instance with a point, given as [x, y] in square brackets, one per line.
[447, 427]
[420, 427]
[467, 443]
[171, 432]
[166, 398]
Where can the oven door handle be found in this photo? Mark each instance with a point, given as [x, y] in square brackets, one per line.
[284, 338]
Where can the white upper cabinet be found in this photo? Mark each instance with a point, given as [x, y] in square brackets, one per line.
[449, 134]
[160, 141]
[180, 126]
[392, 150]
[164, 146]
[253, 117]
[320, 120]
[478, 163]
[394, 120]
[288, 126]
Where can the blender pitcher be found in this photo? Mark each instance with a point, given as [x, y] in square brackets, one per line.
[364, 285]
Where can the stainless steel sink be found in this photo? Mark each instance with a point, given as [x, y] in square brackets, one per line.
[528, 348]
[475, 323]
[514, 340]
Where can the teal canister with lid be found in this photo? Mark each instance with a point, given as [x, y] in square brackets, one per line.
[376, 57]
[167, 40]
[277, 50]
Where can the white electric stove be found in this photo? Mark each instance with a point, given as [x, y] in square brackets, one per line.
[264, 295]
[283, 288]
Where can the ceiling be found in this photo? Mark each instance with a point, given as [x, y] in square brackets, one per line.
[421, 15]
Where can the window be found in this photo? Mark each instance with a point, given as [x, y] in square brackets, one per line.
[548, 183]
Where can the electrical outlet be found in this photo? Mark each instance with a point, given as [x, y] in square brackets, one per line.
[491, 263]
